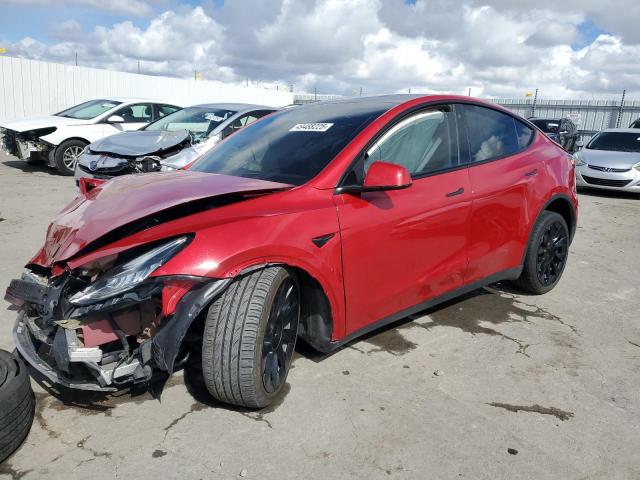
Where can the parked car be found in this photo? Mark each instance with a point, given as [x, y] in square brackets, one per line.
[635, 124]
[562, 131]
[60, 138]
[611, 160]
[321, 222]
[169, 143]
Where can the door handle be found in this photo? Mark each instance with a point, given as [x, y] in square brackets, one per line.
[531, 173]
[457, 192]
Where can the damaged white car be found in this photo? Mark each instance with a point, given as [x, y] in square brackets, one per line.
[59, 139]
[169, 143]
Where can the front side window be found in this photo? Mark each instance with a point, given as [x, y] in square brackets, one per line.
[88, 110]
[492, 134]
[423, 143]
[138, 113]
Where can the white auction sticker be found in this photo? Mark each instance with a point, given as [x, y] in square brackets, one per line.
[311, 127]
[212, 117]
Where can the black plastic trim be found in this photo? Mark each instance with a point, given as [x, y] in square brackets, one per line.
[326, 346]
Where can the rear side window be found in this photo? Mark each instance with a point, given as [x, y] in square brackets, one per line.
[492, 134]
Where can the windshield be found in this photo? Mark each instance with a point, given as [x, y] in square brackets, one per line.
[616, 141]
[199, 121]
[547, 126]
[291, 146]
[88, 110]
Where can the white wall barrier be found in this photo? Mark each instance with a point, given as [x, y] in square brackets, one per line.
[33, 88]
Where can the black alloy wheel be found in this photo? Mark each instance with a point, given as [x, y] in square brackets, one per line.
[280, 335]
[552, 253]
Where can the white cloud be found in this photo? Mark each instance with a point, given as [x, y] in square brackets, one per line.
[137, 8]
[495, 47]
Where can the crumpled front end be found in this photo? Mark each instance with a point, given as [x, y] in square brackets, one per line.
[110, 323]
[26, 145]
[135, 152]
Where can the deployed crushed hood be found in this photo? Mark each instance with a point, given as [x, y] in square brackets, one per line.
[135, 144]
[604, 158]
[126, 199]
[41, 122]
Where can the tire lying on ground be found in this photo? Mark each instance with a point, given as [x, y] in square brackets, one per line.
[17, 404]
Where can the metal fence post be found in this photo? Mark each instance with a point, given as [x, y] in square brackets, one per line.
[533, 105]
[621, 109]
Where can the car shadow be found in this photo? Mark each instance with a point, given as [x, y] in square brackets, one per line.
[601, 193]
[475, 312]
[30, 167]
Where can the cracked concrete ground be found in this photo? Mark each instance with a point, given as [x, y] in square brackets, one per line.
[493, 385]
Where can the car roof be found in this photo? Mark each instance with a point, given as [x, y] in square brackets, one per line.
[238, 107]
[621, 130]
[136, 100]
[384, 103]
[545, 119]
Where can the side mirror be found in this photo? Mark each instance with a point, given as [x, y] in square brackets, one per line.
[115, 119]
[579, 144]
[380, 177]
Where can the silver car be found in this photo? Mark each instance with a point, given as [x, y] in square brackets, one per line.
[611, 160]
[169, 143]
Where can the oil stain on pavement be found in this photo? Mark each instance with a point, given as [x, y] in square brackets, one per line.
[556, 412]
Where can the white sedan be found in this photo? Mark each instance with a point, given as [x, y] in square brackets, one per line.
[610, 161]
[60, 138]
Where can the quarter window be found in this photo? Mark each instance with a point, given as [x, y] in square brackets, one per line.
[525, 134]
[424, 143]
[492, 134]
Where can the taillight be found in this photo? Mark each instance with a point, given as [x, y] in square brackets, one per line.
[88, 184]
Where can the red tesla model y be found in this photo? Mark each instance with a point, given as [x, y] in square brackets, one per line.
[319, 223]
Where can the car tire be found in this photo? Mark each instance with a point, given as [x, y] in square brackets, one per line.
[17, 404]
[249, 338]
[546, 254]
[67, 154]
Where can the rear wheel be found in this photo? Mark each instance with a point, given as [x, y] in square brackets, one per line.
[249, 338]
[67, 154]
[546, 254]
[17, 404]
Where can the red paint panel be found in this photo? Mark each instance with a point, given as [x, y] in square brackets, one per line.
[403, 247]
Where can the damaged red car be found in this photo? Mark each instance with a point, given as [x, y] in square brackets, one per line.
[319, 223]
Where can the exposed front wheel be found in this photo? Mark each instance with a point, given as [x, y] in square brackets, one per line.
[546, 254]
[66, 156]
[249, 338]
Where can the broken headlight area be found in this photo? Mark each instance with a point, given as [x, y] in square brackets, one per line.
[100, 331]
[24, 144]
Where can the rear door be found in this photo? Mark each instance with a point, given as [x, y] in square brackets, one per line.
[504, 174]
[403, 247]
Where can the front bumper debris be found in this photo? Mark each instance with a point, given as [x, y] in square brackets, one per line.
[70, 346]
[26, 342]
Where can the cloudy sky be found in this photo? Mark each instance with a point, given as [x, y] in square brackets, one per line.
[569, 48]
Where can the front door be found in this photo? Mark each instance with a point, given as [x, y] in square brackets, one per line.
[403, 247]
